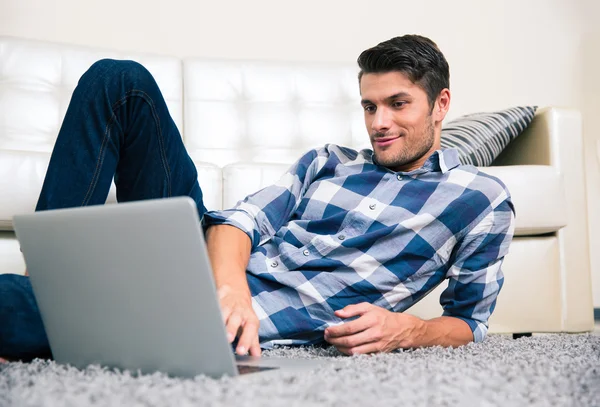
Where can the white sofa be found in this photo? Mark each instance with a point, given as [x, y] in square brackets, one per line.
[244, 122]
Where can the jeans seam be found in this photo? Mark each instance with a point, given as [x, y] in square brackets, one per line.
[163, 152]
[144, 96]
[99, 162]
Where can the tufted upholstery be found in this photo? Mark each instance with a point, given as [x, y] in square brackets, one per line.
[245, 122]
[268, 112]
[38, 79]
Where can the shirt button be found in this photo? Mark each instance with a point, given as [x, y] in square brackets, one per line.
[274, 264]
[399, 177]
[306, 252]
[341, 237]
[372, 206]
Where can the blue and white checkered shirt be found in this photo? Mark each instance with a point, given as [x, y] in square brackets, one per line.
[338, 229]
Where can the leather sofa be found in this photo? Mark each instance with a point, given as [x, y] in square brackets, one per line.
[245, 122]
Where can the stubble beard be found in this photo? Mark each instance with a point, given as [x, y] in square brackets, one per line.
[409, 153]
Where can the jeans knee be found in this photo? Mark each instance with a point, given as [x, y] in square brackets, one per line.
[115, 72]
[103, 65]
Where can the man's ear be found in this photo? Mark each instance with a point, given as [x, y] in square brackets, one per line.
[442, 105]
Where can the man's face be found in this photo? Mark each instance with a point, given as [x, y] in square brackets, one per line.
[398, 119]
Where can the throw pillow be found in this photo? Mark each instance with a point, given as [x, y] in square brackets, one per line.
[481, 137]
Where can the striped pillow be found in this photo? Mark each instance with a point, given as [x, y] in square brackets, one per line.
[481, 137]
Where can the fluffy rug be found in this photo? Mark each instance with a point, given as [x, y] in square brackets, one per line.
[543, 370]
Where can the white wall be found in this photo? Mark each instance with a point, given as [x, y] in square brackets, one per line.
[590, 15]
[501, 52]
[591, 129]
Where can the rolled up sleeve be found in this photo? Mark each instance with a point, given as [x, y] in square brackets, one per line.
[261, 214]
[475, 277]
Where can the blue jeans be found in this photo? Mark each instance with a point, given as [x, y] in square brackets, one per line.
[117, 126]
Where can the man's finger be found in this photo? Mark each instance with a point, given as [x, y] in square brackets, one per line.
[348, 328]
[345, 351]
[372, 347]
[354, 310]
[233, 324]
[352, 341]
[255, 348]
[248, 337]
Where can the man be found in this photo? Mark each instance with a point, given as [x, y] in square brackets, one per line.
[334, 251]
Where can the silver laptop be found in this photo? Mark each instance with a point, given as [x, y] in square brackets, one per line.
[130, 286]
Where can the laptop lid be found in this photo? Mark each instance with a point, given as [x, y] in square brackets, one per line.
[127, 286]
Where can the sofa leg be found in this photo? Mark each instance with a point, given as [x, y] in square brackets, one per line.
[523, 335]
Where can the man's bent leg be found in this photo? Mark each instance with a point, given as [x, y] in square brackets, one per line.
[22, 332]
[117, 124]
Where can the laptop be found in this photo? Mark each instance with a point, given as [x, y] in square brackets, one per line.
[130, 286]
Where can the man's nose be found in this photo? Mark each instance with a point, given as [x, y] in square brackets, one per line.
[382, 120]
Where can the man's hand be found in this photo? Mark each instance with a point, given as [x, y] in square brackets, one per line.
[229, 252]
[376, 330]
[240, 319]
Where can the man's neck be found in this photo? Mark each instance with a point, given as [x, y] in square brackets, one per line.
[418, 163]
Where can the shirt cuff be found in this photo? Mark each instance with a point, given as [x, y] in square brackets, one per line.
[479, 329]
[235, 218]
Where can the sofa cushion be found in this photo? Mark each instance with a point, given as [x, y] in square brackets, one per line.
[11, 258]
[537, 191]
[538, 194]
[211, 181]
[481, 137]
[22, 175]
[243, 179]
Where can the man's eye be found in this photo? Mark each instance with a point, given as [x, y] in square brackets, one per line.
[398, 104]
[369, 109]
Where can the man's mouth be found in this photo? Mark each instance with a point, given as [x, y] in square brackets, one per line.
[385, 141]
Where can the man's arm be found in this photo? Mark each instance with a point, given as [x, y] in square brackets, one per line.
[443, 331]
[229, 252]
[232, 234]
[475, 279]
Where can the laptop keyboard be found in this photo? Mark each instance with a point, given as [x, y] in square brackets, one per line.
[245, 369]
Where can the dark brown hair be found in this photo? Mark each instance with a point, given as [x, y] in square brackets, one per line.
[417, 57]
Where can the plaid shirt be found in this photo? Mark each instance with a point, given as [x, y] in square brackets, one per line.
[338, 229]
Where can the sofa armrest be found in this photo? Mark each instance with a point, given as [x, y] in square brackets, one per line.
[555, 138]
[543, 142]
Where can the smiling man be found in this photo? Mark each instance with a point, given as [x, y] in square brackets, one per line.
[342, 244]
[347, 240]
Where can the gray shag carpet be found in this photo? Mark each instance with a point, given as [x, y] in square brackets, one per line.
[543, 370]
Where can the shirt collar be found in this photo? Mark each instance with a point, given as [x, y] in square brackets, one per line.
[441, 160]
